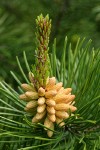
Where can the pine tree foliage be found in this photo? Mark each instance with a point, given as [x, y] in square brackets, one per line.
[78, 68]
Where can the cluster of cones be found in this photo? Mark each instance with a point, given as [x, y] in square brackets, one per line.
[51, 104]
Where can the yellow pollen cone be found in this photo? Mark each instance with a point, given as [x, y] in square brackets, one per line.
[39, 116]
[67, 91]
[51, 110]
[61, 90]
[35, 120]
[62, 107]
[62, 114]
[47, 123]
[61, 98]
[70, 98]
[60, 122]
[24, 97]
[32, 95]
[51, 83]
[27, 87]
[50, 102]
[41, 108]
[72, 108]
[52, 118]
[41, 101]
[41, 91]
[31, 104]
[49, 133]
[57, 86]
[50, 94]
[52, 126]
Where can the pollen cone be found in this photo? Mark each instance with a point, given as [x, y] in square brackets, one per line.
[51, 104]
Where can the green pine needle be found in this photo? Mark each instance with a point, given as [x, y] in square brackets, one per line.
[78, 68]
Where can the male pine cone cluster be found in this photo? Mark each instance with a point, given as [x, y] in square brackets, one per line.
[52, 104]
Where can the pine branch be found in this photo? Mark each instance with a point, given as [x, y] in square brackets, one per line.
[79, 69]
